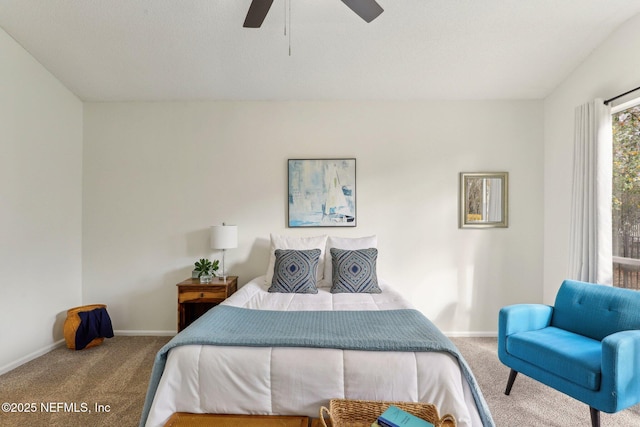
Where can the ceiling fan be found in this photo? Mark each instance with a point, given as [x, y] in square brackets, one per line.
[366, 9]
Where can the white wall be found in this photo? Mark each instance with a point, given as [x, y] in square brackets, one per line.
[40, 205]
[611, 69]
[157, 175]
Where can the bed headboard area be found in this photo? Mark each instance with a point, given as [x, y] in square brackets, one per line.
[302, 264]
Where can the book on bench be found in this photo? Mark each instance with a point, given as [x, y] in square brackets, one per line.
[396, 417]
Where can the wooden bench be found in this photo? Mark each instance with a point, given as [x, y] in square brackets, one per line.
[183, 419]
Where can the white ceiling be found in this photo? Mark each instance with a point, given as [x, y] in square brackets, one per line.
[122, 50]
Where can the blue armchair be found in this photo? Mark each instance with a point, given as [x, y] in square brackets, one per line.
[587, 345]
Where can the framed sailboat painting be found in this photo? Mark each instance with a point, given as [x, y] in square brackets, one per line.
[322, 193]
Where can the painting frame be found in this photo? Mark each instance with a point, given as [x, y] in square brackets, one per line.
[321, 192]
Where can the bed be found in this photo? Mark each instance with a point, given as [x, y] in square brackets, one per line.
[288, 353]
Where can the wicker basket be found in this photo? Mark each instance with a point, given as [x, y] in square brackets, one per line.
[72, 322]
[362, 413]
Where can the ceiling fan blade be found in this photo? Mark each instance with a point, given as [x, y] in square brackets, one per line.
[257, 12]
[366, 9]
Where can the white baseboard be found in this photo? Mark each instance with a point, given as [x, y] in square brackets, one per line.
[128, 333]
[467, 334]
[29, 357]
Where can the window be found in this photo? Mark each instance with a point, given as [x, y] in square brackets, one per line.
[626, 195]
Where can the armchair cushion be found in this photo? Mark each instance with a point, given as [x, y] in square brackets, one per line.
[561, 353]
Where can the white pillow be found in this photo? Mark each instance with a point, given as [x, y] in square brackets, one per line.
[297, 243]
[348, 243]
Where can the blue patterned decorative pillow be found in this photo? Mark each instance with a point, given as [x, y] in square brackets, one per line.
[354, 271]
[295, 271]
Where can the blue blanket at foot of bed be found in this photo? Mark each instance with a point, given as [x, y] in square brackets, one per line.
[385, 330]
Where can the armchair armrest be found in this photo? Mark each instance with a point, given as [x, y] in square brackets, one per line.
[523, 317]
[519, 318]
[621, 367]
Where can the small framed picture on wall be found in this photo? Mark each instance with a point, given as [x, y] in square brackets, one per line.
[484, 199]
[321, 193]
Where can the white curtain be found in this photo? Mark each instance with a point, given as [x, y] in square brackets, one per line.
[590, 233]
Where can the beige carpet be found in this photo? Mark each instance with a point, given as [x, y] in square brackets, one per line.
[117, 373]
[530, 403]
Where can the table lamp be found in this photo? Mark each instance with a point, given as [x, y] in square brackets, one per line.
[224, 237]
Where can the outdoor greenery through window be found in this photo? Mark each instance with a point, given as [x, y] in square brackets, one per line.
[626, 198]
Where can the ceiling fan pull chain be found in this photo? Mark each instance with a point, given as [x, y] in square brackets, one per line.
[289, 21]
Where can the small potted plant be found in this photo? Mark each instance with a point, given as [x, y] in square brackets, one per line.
[205, 270]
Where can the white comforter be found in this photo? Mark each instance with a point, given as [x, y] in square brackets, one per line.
[297, 381]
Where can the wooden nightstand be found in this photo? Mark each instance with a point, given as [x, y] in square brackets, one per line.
[195, 298]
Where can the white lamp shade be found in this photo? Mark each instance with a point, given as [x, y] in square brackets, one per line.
[224, 236]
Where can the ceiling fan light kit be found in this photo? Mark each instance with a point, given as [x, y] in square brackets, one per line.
[366, 9]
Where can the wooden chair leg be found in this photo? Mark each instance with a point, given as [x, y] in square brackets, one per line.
[512, 378]
[595, 417]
